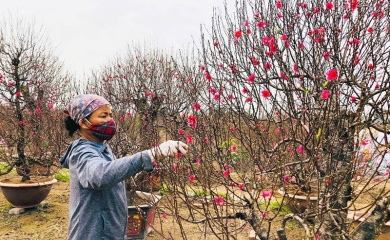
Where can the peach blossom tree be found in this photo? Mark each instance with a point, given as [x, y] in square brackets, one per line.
[32, 89]
[291, 85]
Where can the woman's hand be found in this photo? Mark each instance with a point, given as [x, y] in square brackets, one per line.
[169, 148]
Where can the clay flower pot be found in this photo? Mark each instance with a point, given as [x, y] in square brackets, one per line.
[299, 202]
[28, 194]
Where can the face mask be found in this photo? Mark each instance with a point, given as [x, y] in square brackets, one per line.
[103, 131]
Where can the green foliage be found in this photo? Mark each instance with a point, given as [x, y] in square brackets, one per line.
[198, 193]
[164, 189]
[275, 206]
[63, 175]
[4, 168]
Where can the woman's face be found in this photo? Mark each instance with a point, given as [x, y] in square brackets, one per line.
[100, 115]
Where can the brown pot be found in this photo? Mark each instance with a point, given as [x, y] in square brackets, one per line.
[299, 203]
[26, 195]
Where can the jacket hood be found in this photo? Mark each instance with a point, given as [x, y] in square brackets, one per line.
[64, 160]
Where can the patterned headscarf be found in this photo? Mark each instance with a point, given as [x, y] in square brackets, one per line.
[83, 105]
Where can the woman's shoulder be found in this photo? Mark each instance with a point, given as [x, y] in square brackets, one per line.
[82, 144]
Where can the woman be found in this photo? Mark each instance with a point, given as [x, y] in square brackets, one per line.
[98, 205]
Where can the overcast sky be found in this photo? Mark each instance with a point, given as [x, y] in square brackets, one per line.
[89, 33]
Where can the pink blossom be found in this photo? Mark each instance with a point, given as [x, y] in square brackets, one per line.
[265, 93]
[329, 6]
[353, 4]
[2, 141]
[326, 55]
[254, 61]
[251, 78]
[261, 24]
[370, 30]
[284, 37]
[280, 15]
[241, 186]
[301, 45]
[231, 129]
[197, 106]
[175, 167]
[266, 193]
[278, 4]
[215, 44]
[18, 94]
[267, 66]
[234, 148]
[246, 23]
[164, 216]
[283, 75]
[265, 41]
[225, 166]
[356, 60]
[230, 96]
[332, 74]
[325, 94]
[295, 68]
[208, 76]
[353, 99]
[238, 34]
[219, 200]
[356, 41]
[192, 121]
[191, 178]
[213, 90]
[216, 97]
[180, 131]
[197, 160]
[300, 149]
[248, 99]
[226, 173]
[189, 139]
[285, 179]
[121, 119]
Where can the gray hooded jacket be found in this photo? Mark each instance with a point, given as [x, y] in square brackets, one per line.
[98, 204]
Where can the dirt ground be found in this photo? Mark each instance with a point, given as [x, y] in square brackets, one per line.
[50, 221]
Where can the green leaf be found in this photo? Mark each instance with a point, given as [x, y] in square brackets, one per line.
[325, 84]
[319, 133]
[305, 90]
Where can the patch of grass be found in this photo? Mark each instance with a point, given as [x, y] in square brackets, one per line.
[164, 189]
[63, 175]
[275, 206]
[4, 168]
[198, 193]
[5, 206]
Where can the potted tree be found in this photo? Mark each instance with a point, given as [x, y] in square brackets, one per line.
[31, 88]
